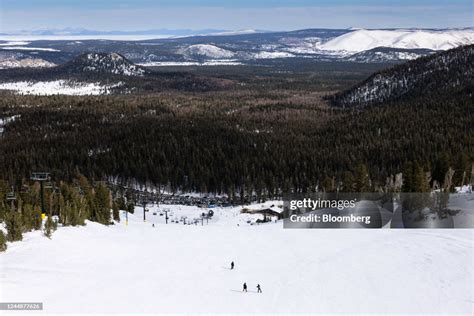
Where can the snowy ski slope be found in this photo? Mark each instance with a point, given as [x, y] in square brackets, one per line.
[178, 268]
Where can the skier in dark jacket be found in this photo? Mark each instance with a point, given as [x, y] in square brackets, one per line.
[245, 287]
[259, 289]
[232, 265]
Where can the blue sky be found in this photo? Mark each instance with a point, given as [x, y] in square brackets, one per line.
[233, 14]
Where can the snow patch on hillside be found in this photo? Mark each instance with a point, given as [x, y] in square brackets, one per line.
[362, 40]
[25, 63]
[64, 87]
[14, 43]
[238, 32]
[206, 50]
[272, 55]
[218, 62]
[29, 48]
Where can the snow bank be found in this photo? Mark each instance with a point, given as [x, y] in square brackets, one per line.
[464, 189]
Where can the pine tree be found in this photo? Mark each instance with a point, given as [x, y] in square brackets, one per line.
[421, 183]
[115, 211]
[348, 182]
[362, 180]
[408, 178]
[102, 205]
[14, 225]
[3, 241]
[31, 217]
[49, 226]
[131, 208]
[328, 184]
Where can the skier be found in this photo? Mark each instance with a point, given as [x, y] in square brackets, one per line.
[245, 287]
[232, 265]
[259, 289]
[152, 225]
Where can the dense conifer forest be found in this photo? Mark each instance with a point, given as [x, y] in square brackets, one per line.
[254, 139]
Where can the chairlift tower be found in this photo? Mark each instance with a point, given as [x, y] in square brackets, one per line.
[166, 211]
[11, 197]
[42, 178]
[144, 198]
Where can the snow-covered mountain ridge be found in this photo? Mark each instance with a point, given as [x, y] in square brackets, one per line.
[362, 40]
[319, 44]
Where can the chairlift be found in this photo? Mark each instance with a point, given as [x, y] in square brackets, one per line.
[11, 196]
[40, 176]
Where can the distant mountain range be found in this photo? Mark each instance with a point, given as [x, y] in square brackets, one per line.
[82, 32]
[247, 46]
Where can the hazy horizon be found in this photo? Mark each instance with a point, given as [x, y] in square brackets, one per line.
[271, 15]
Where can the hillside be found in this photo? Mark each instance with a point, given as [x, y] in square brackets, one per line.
[439, 74]
[105, 63]
[362, 40]
[388, 54]
[100, 73]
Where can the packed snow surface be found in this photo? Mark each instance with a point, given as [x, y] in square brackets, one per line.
[65, 87]
[186, 268]
[362, 40]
